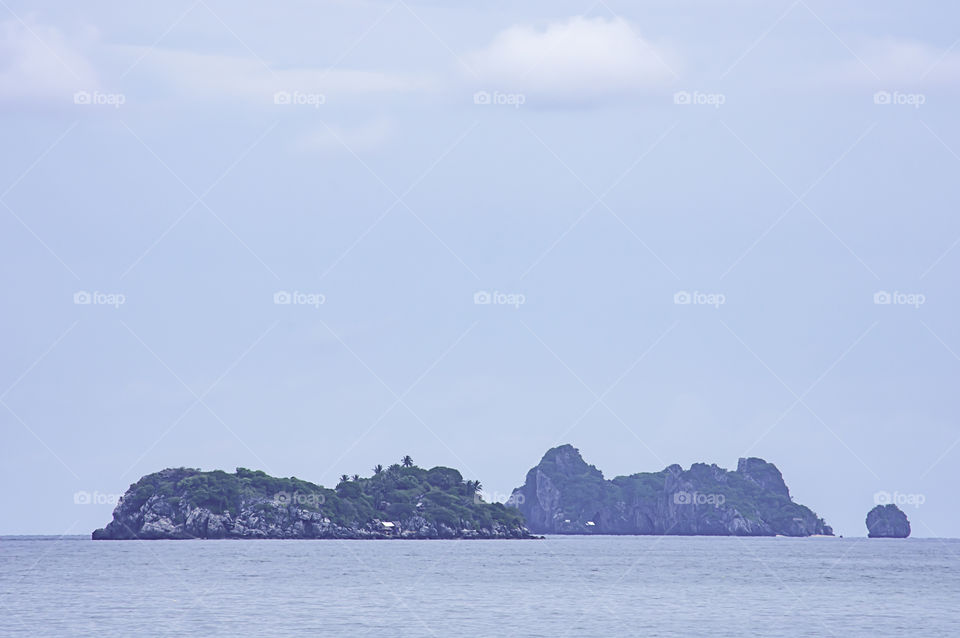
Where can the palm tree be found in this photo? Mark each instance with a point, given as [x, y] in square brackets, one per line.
[377, 468]
[407, 460]
[344, 478]
[356, 477]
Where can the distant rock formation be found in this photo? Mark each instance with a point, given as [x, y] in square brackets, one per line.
[887, 521]
[565, 495]
[397, 502]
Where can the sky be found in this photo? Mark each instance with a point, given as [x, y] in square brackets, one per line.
[309, 238]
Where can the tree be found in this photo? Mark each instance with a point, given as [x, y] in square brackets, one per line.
[344, 478]
[377, 468]
[407, 460]
[356, 477]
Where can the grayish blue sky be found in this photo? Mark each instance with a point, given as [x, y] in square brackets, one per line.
[594, 160]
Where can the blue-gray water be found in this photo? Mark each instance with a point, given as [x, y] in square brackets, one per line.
[562, 586]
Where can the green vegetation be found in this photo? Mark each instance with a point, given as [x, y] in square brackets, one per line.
[564, 494]
[739, 493]
[398, 493]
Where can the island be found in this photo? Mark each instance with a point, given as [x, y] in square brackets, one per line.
[887, 521]
[565, 495]
[401, 501]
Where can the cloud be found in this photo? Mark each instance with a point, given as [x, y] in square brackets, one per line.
[39, 62]
[898, 64]
[578, 61]
[42, 65]
[212, 76]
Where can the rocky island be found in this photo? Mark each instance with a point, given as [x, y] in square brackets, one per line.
[402, 501]
[565, 495]
[887, 521]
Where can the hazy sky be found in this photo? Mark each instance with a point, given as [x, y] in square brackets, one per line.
[585, 164]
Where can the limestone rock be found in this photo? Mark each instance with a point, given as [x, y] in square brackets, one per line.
[887, 521]
[565, 495]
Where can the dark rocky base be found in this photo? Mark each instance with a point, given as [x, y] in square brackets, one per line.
[282, 523]
[338, 534]
[887, 521]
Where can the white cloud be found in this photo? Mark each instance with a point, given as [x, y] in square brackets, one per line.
[898, 64]
[39, 62]
[213, 76]
[908, 61]
[577, 61]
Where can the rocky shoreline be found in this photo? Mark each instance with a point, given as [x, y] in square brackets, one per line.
[400, 502]
[561, 495]
[155, 521]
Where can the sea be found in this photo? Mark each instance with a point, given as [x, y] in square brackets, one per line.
[560, 586]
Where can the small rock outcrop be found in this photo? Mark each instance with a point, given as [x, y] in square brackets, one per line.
[887, 521]
[565, 495]
[397, 502]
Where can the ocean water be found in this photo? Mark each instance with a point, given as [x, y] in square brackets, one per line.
[561, 586]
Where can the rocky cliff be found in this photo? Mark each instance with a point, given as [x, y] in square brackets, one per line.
[887, 521]
[398, 502]
[565, 495]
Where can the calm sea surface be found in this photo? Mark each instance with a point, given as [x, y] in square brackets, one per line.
[561, 586]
